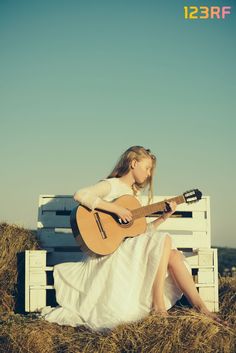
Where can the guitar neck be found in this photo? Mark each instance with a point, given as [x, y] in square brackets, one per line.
[155, 207]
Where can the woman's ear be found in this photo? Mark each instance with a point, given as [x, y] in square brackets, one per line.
[133, 163]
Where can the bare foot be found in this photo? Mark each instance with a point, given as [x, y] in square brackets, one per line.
[213, 316]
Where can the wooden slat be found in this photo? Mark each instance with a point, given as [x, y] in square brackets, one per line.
[187, 224]
[60, 257]
[216, 280]
[44, 199]
[27, 282]
[51, 220]
[37, 277]
[58, 203]
[37, 296]
[198, 223]
[194, 241]
[48, 238]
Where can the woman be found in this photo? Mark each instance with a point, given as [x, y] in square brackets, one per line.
[146, 273]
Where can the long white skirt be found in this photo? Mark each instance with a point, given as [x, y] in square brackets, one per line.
[103, 292]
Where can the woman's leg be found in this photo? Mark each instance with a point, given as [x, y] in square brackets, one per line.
[158, 284]
[173, 260]
[184, 279]
[185, 282]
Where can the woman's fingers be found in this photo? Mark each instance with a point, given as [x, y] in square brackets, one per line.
[170, 206]
[127, 217]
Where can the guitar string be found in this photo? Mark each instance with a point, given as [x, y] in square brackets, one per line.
[149, 209]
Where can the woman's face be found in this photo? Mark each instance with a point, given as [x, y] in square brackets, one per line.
[141, 169]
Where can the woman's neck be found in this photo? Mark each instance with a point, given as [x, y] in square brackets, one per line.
[128, 179]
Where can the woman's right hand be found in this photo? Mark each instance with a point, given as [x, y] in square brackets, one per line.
[124, 214]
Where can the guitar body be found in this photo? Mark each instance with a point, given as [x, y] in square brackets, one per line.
[102, 231]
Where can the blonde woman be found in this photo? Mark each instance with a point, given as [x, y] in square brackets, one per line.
[146, 273]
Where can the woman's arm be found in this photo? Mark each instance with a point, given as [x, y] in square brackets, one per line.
[164, 216]
[157, 222]
[92, 197]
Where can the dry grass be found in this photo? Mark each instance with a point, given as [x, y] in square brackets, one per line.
[184, 331]
[13, 239]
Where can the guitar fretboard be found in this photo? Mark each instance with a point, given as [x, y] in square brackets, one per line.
[155, 207]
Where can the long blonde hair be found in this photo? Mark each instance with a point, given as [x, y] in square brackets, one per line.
[122, 167]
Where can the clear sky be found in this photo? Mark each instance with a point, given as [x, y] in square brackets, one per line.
[81, 81]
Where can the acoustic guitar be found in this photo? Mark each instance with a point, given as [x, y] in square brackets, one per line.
[102, 232]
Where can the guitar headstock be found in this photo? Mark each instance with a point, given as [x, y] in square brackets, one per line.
[192, 195]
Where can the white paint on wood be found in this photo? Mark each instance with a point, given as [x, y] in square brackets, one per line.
[205, 276]
[206, 258]
[27, 288]
[35, 260]
[37, 298]
[216, 280]
[208, 296]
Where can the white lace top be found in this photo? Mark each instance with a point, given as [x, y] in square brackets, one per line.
[106, 189]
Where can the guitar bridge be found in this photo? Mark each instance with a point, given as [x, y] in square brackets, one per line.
[99, 224]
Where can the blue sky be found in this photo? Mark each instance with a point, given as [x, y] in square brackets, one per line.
[81, 81]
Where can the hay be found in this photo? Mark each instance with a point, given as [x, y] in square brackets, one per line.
[13, 240]
[227, 296]
[183, 331]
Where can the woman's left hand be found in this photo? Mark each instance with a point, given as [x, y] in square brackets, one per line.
[169, 208]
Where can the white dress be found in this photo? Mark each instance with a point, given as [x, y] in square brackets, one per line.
[102, 292]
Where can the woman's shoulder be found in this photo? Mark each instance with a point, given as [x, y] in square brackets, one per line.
[115, 181]
[116, 184]
[109, 180]
[120, 186]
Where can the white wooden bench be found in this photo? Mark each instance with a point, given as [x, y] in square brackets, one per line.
[189, 227]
